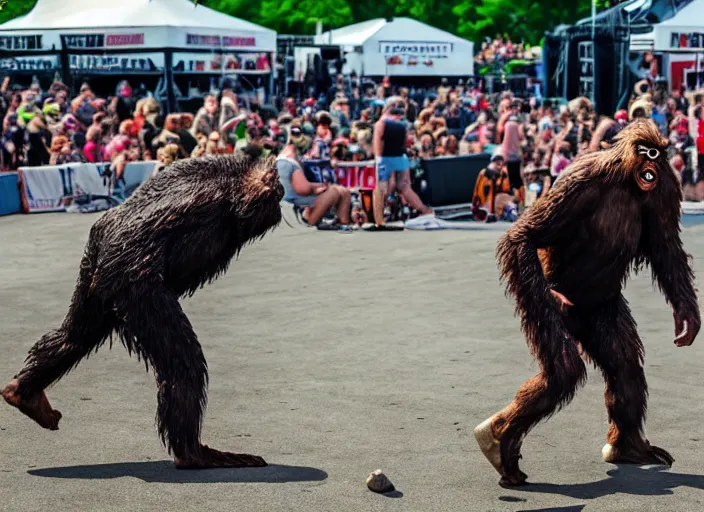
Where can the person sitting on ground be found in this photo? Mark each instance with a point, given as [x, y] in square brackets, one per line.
[315, 198]
[492, 191]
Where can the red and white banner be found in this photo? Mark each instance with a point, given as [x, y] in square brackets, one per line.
[356, 175]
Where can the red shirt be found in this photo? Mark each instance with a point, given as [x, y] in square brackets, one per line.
[700, 137]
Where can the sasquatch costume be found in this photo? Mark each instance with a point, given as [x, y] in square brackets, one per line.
[565, 261]
[179, 231]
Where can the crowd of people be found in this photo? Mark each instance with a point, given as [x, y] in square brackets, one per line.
[530, 141]
[501, 50]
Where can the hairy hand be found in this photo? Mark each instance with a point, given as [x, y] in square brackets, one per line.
[686, 328]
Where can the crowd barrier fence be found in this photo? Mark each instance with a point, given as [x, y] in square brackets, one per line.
[52, 188]
[353, 175]
[448, 180]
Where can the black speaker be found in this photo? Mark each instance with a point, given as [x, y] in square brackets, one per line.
[606, 72]
[551, 57]
[451, 180]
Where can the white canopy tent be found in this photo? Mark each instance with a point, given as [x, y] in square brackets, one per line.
[402, 47]
[680, 39]
[139, 24]
[122, 36]
[683, 32]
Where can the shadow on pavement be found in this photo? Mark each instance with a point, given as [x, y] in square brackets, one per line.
[626, 479]
[573, 508]
[164, 471]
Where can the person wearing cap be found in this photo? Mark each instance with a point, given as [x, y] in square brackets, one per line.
[389, 146]
[680, 139]
[315, 198]
[492, 183]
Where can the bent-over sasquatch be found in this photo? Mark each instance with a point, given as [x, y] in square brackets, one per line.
[177, 232]
[565, 262]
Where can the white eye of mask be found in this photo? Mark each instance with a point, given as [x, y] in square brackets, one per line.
[651, 153]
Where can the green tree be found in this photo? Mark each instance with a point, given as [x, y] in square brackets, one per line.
[301, 16]
[13, 8]
[244, 9]
[526, 20]
[437, 13]
[363, 10]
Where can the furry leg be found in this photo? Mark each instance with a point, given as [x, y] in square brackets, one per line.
[86, 326]
[158, 329]
[612, 342]
[563, 370]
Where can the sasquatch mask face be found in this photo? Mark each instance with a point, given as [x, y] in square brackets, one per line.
[641, 152]
[647, 176]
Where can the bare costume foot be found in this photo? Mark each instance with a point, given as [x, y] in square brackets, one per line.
[511, 475]
[210, 458]
[36, 407]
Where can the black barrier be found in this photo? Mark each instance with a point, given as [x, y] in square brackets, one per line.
[451, 180]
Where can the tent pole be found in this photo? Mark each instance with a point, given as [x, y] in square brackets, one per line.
[64, 64]
[169, 76]
[272, 78]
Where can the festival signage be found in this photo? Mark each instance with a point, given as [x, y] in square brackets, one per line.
[124, 39]
[136, 62]
[214, 41]
[417, 49]
[21, 43]
[414, 54]
[98, 40]
[241, 63]
[45, 63]
[686, 40]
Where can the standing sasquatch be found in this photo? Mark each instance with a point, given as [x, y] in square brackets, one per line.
[179, 231]
[565, 262]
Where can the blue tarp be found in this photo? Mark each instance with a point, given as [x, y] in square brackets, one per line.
[9, 193]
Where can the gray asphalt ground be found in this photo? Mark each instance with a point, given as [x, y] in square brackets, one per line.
[331, 356]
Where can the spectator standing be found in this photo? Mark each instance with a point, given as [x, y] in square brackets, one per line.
[513, 154]
[391, 161]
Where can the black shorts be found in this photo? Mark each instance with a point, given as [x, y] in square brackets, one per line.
[700, 167]
[514, 174]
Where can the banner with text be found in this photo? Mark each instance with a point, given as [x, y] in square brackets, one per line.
[52, 188]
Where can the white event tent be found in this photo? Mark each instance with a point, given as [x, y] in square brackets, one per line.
[680, 41]
[683, 32]
[134, 36]
[401, 47]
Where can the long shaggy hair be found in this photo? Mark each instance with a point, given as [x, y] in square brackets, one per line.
[179, 231]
